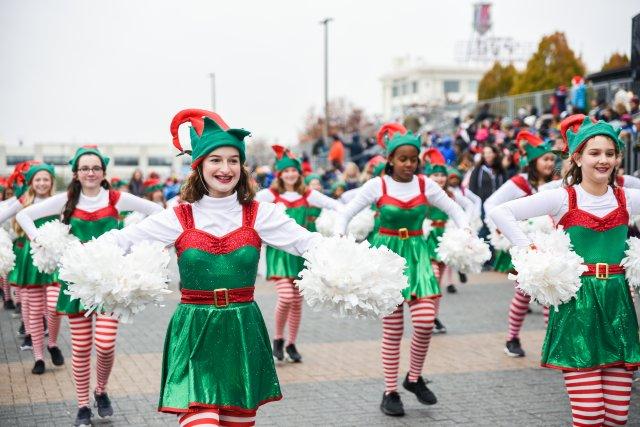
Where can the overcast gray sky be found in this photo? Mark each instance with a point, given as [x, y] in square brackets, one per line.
[117, 71]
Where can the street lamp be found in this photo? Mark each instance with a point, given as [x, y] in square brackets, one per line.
[325, 128]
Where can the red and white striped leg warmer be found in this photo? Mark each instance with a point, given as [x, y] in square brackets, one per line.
[24, 307]
[201, 419]
[105, 337]
[81, 343]
[286, 296]
[545, 313]
[392, 329]
[36, 302]
[237, 419]
[423, 314]
[616, 388]
[517, 312]
[586, 397]
[295, 315]
[6, 289]
[53, 318]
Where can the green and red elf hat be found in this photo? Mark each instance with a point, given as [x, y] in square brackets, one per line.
[285, 159]
[587, 130]
[208, 132]
[393, 135]
[531, 146]
[572, 122]
[34, 168]
[87, 149]
[434, 162]
[17, 180]
[454, 172]
[151, 185]
[311, 177]
[117, 183]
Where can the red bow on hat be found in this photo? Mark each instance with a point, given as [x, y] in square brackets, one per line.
[17, 177]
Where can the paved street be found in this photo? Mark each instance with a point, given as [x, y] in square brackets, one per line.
[340, 382]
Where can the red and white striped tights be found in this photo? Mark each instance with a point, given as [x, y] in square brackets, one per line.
[24, 308]
[53, 318]
[6, 289]
[35, 308]
[517, 312]
[423, 313]
[599, 397]
[82, 337]
[288, 309]
[214, 417]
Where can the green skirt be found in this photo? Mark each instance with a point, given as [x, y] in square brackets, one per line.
[502, 262]
[65, 305]
[217, 357]
[433, 243]
[282, 264]
[596, 329]
[14, 277]
[30, 276]
[422, 281]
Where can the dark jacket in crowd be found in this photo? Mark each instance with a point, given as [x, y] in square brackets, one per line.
[485, 180]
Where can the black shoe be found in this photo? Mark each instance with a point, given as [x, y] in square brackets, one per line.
[513, 348]
[451, 289]
[293, 354]
[103, 403]
[38, 368]
[462, 277]
[26, 343]
[391, 404]
[9, 305]
[56, 356]
[278, 349]
[420, 389]
[438, 327]
[21, 332]
[83, 419]
[529, 311]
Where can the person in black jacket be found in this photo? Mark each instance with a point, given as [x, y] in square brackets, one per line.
[489, 174]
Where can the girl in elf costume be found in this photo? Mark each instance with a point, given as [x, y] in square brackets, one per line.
[283, 268]
[153, 191]
[593, 338]
[91, 208]
[313, 182]
[217, 366]
[540, 161]
[6, 195]
[402, 198]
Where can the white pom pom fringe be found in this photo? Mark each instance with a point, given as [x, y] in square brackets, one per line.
[551, 273]
[46, 250]
[362, 224]
[133, 218]
[463, 251]
[7, 257]
[631, 262]
[543, 224]
[352, 279]
[427, 227]
[325, 223]
[104, 279]
[499, 241]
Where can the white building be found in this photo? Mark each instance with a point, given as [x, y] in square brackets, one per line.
[416, 83]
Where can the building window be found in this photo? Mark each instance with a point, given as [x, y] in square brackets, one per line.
[451, 86]
[56, 160]
[126, 161]
[14, 160]
[160, 161]
[414, 87]
[473, 86]
[394, 91]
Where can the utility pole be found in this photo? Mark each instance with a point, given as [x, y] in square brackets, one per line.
[212, 76]
[325, 128]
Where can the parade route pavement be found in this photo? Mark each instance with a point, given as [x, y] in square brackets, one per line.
[340, 380]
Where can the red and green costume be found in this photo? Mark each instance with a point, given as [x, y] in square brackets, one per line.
[217, 352]
[29, 275]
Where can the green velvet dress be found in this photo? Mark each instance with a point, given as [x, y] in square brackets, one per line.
[312, 214]
[30, 276]
[85, 226]
[598, 328]
[439, 220]
[14, 278]
[217, 357]
[502, 262]
[394, 215]
[281, 264]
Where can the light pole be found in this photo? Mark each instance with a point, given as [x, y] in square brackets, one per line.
[212, 76]
[325, 128]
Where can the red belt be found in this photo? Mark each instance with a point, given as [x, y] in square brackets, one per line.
[402, 233]
[602, 270]
[439, 223]
[218, 297]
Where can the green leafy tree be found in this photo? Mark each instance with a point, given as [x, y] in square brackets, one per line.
[616, 60]
[553, 64]
[498, 81]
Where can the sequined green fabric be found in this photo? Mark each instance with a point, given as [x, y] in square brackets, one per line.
[281, 264]
[599, 327]
[502, 262]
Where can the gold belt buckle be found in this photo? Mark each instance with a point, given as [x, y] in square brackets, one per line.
[403, 233]
[599, 274]
[226, 297]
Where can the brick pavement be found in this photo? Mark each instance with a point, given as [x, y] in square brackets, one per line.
[340, 381]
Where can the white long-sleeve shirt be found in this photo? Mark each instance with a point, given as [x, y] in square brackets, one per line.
[54, 205]
[628, 181]
[555, 203]
[219, 216]
[470, 202]
[9, 208]
[315, 198]
[371, 191]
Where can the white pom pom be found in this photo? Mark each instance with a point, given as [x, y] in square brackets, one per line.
[133, 218]
[325, 223]
[475, 222]
[463, 251]
[499, 241]
[352, 279]
[631, 262]
[46, 250]
[104, 279]
[551, 273]
[361, 224]
[427, 227]
[543, 224]
[7, 257]
[634, 220]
